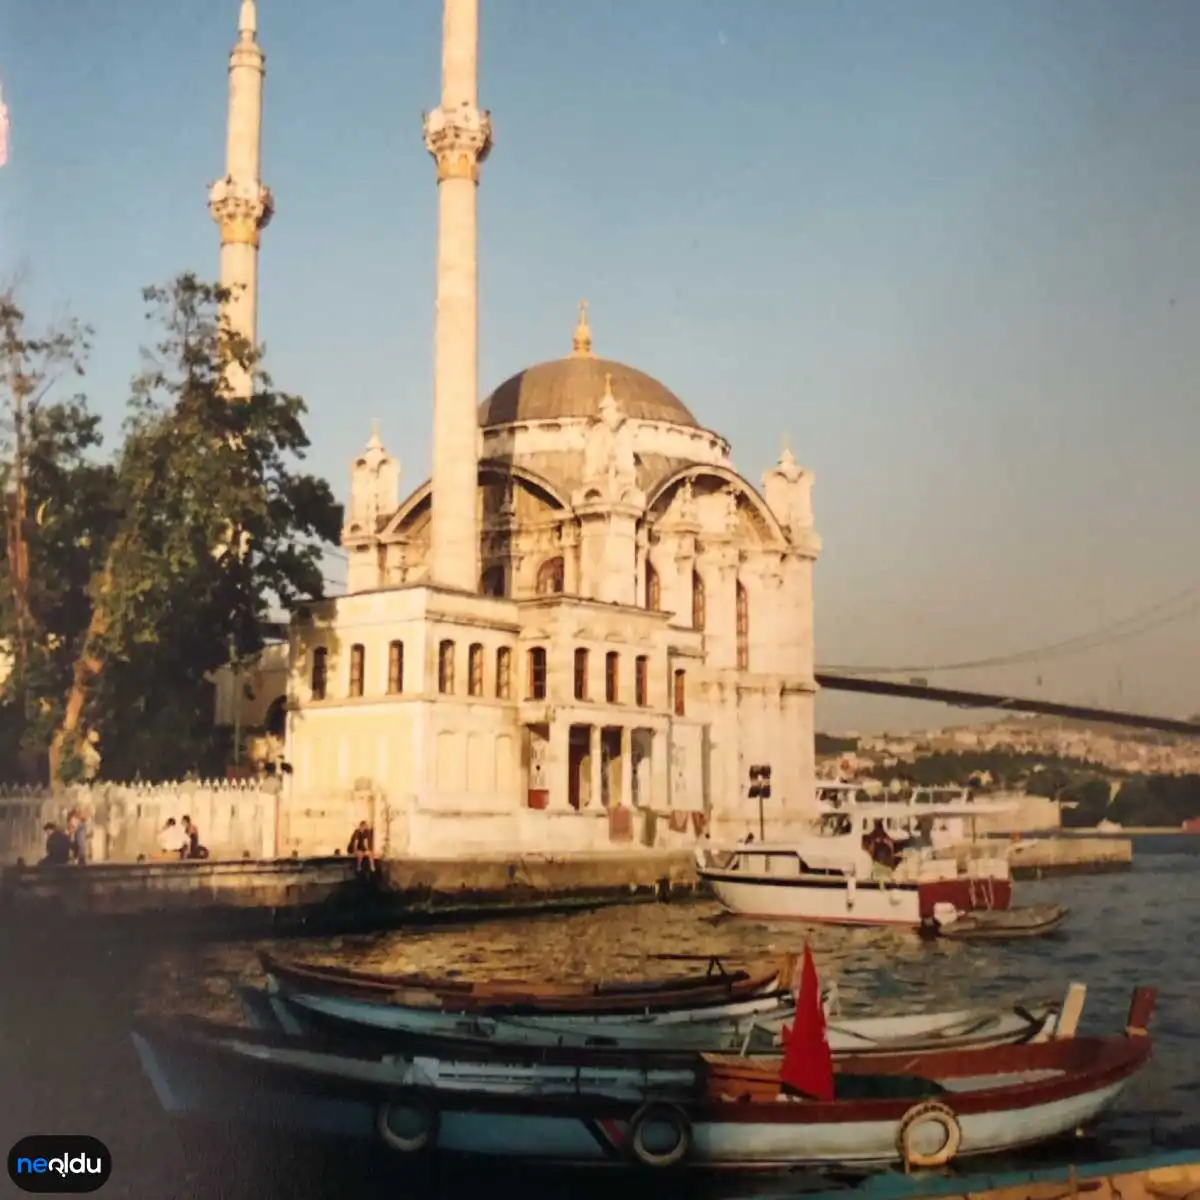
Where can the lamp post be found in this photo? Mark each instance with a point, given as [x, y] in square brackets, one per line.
[760, 789]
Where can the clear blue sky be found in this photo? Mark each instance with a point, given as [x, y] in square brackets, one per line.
[951, 248]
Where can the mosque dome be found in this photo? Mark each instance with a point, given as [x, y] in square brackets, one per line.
[574, 386]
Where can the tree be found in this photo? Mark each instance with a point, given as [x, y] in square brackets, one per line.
[215, 527]
[56, 513]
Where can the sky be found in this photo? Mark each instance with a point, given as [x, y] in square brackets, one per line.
[949, 249]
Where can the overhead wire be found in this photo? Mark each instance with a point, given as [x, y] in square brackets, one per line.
[1104, 635]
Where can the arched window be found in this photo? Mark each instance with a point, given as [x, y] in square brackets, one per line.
[699, 612]
[493, 581]
[581, 674]
[743, 629]
[320, 673]
[537, 673]
[446, 666]
[550, 577]
[680, 693]
[395, 667]
[475, 670]
[612, 676]
[503, 673]
[653, 588]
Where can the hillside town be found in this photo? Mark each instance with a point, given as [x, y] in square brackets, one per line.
[1108, 749]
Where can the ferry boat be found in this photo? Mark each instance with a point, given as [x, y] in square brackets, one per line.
[830, 877]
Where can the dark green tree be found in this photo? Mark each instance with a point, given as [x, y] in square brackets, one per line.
[58, 514]
[217, 526]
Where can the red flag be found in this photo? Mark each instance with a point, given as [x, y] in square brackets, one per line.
[807, 1060]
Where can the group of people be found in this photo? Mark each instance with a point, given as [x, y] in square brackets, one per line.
[68, 846]
[180, 841]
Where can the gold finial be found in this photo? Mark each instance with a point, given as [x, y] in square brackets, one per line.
[581, 346]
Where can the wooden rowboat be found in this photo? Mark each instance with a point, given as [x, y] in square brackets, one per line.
[715, 988]
[1171, 1175]
[920, 1109]
[746, 1028]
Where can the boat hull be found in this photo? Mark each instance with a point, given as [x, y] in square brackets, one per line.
[842, 900]
[309, 1089]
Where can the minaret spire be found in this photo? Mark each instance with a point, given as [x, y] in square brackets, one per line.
[459, 136]
[240, 203]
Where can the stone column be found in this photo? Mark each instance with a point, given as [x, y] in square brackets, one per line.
[626, 768]
[595, 767]
[240, 203]
[558, 764]
[459, 137]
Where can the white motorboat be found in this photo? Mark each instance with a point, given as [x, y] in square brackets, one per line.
[830, 876]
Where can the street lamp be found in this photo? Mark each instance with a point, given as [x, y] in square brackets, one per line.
[760, 789]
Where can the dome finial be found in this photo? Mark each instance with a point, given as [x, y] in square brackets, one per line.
[581, 345]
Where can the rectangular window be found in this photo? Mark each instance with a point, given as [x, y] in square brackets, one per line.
[446, 667]
[475, 664]
[320, 669]
[680, 693]
[396, 667]
[581, 674]
[357, 663]
[612, 676]
[537, 673]
[503, 673]
[641, 671]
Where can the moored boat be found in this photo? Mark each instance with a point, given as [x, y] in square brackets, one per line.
[715, 989]
[830, 877]
[737, 1030]
[923, 1109]
[1168, 1175]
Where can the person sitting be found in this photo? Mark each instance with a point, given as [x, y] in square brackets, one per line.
[362, 846]
[880, 846]
[58, 846]
[172, 841]
[194, 849]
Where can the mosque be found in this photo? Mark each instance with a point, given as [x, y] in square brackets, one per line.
[586, 628]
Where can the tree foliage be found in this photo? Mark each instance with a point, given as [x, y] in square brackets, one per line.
[150, 571]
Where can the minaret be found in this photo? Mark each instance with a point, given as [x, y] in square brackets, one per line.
[240, 203]
[459, 136]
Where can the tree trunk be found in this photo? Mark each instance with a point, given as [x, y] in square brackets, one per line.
[68, 739]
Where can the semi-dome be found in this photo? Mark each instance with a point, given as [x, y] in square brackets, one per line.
[574, 387]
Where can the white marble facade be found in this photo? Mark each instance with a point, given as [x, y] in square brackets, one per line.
[642, 636]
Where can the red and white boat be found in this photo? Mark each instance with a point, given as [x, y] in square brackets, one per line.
[831, 878]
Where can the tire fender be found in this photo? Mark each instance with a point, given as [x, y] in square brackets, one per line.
[658, 1113]
[937, 1114]
[417, 1104]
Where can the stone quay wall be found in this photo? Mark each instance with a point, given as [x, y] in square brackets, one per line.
[236, 819]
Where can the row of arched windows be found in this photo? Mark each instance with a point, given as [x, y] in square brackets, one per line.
[502, 683]
[550, 582]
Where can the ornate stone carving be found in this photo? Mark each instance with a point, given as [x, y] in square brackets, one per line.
[608, 458]
[459, 140]
[687, 502]
[241, 209]
[729, 513]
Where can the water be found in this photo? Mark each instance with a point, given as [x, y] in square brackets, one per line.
[67, 1066]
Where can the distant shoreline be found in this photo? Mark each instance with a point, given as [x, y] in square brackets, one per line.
[1130, 829]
